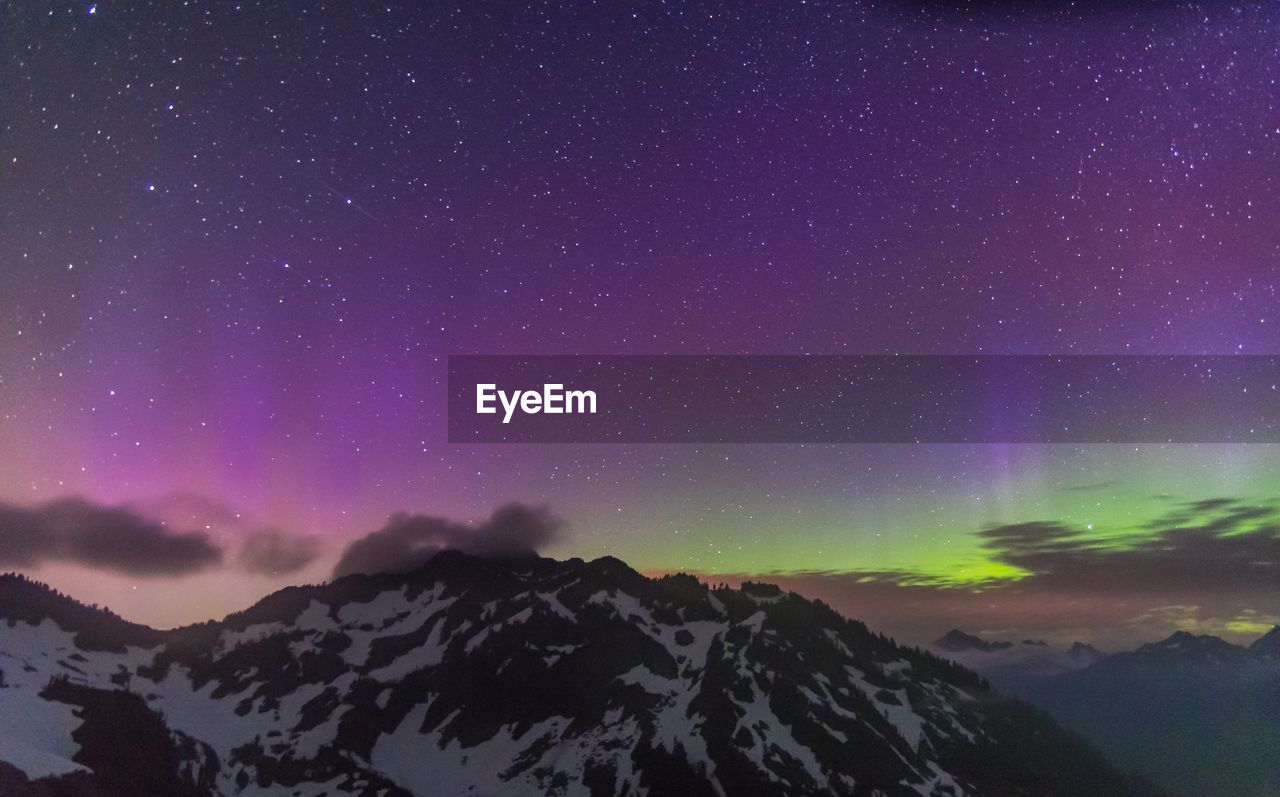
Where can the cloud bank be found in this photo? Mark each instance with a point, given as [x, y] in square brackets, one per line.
[133, 542]
[107, 538]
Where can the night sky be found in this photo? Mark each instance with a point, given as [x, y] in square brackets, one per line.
[238, 241]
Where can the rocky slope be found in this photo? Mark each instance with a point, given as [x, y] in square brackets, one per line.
[525, 676]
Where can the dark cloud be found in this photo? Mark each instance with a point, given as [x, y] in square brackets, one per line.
[1210, 566]
[408, 541]
[1205, 549]
[274, 552]
[128, 541]
[108, 538]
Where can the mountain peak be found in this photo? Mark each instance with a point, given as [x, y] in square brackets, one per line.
[955, 641]
[1183, 638]
[1268, 644]
[1084, 652]
[1191, 647]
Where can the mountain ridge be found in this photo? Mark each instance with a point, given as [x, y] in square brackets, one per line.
[528, 675]
[1193, 712]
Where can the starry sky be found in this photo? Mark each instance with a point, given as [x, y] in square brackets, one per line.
[239, 240]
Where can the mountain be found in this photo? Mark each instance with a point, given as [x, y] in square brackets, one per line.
[957, 641]
[1268, 644]
[1185, 648]
[1009, 666]
[1084, 654]
[1194, 713]
[475, 676]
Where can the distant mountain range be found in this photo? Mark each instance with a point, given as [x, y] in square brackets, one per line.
[1009, 666]
[1196, 714]
[527, 676]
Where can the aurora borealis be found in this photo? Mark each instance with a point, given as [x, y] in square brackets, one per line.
[238, 241]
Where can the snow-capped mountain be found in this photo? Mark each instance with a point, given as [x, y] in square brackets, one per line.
[509, 677]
